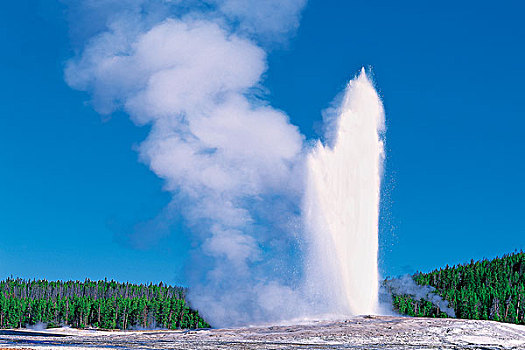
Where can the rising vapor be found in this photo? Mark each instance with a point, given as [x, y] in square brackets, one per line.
[192, 71]
[405, 285]
[221, 149]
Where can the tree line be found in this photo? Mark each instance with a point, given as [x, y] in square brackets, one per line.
[487, 290]
[406, 305]
[98, 304]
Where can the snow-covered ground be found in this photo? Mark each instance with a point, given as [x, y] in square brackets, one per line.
[362, 332]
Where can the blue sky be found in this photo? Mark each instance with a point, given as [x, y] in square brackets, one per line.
[451, 78]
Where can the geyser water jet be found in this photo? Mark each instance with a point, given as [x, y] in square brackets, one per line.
[341, 205]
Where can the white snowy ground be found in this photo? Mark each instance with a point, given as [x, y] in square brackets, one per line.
[362, 332]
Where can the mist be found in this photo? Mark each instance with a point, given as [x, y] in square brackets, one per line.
[192, 72]
[405, 285]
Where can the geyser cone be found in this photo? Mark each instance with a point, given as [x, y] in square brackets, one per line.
[342, 204]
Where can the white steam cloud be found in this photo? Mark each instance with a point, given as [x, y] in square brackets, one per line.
[192, 72]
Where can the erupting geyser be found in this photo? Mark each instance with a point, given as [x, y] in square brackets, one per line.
[342, 204]
[234, 164]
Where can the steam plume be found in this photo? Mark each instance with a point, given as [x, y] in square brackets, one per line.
[192, 71]
[193, 76]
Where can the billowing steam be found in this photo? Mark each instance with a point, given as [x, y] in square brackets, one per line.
[191, 70]
[222, 150]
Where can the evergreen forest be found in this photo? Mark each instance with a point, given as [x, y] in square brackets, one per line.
[98, 304]
[487, 289]
[482, 290]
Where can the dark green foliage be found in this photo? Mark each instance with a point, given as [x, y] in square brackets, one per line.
[100, 304]
[487, 289]
[419, 308]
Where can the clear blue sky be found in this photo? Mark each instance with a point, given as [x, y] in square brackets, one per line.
[451, 77]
